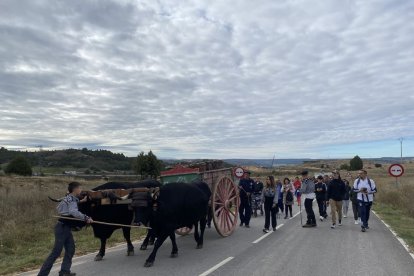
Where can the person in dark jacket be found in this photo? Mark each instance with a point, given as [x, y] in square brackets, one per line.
[246, 185]
[355, 207]
[320, 192]
[270, 198]
[345, 205]
[335, 194]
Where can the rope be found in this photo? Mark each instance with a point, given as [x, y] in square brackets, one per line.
[104, 223]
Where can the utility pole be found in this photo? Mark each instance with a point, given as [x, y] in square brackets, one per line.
[401, 144]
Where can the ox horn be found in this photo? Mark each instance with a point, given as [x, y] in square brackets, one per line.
[125, 197]
[55, 200]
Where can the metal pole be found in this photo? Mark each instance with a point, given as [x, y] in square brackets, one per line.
[401, 146]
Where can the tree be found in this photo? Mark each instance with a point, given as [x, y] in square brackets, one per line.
[141, 165]
[153, 165]
[356, 163]
[148, 165]
[19, 165]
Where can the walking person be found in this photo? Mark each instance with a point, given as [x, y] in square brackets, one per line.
[335, 195]
[354, 200]
[308, 193]
[279, 188]
[365, 187]
[320, 192]
[297, 185]
[68, 207]
[246, 185]
[270, 198]
[345, 202]
[287, 197]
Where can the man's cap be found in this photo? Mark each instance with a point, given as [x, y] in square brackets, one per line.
[320, 177]
[304, 173]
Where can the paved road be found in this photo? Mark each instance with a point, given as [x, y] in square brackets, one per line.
[291, 250]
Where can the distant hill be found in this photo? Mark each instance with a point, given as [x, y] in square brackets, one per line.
[265, 162]
[75, 158]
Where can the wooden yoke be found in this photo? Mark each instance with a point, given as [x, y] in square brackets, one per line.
[119, 194]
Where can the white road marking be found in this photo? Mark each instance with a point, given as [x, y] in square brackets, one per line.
[403, 243]
[214, 268]
[295, 215]
[266, 235]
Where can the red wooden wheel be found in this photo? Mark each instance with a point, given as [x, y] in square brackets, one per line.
[183, 231]
[225, 205]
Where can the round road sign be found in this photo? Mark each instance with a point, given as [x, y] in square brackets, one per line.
[396, 170]
[239, 172]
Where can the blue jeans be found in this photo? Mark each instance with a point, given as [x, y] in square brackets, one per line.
[364, 209]
[63, 239]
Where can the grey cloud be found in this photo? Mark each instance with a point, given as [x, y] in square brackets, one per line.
[190, 79]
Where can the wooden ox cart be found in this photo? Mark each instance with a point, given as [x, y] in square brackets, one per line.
[224, 201]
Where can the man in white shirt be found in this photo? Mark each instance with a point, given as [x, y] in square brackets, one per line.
[365, 187]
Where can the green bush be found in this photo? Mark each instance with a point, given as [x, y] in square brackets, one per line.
[20, 166]
[378, 165]
[344, 167]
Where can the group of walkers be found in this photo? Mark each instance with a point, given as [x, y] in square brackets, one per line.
[329, 191]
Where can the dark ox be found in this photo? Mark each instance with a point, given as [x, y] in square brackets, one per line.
[113, 213]
[177, 205]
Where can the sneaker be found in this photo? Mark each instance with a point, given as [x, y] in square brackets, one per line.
[274, 229]
[321, 218]
[333, 226]
[356, 222]
[367, 227]
[345, 216]
[247, 226]
[307, 225]
[314, 225]
[363, 229]
[265, 230]
[241, 224]
[285, 217]
[340, 223]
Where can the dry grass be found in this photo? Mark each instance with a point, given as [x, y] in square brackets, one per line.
[26, 229]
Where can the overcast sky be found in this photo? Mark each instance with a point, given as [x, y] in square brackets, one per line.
[209, 79]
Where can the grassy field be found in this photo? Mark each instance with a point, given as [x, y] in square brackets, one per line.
[26, 231]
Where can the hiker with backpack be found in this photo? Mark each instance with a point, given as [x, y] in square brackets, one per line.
[287, 196]
[320, 192]
[354, 199]
[335, 194]
[366, 188]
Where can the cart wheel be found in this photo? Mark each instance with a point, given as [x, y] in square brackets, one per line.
[225, 205]
[183, 231]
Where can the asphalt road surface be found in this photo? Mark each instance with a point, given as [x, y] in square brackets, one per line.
[291, 250]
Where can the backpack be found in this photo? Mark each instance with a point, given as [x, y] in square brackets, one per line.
[289, 196]
[369, 182]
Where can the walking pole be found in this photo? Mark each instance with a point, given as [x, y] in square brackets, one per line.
[300, 211]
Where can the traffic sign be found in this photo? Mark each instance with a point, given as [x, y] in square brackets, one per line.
[239, 172]
[396, 170]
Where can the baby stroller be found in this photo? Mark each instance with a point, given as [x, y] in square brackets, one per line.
[257, 204]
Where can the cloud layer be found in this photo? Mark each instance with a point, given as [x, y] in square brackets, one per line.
[194, 79]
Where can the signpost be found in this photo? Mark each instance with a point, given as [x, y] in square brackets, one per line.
[239, 172]
[396, 170]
